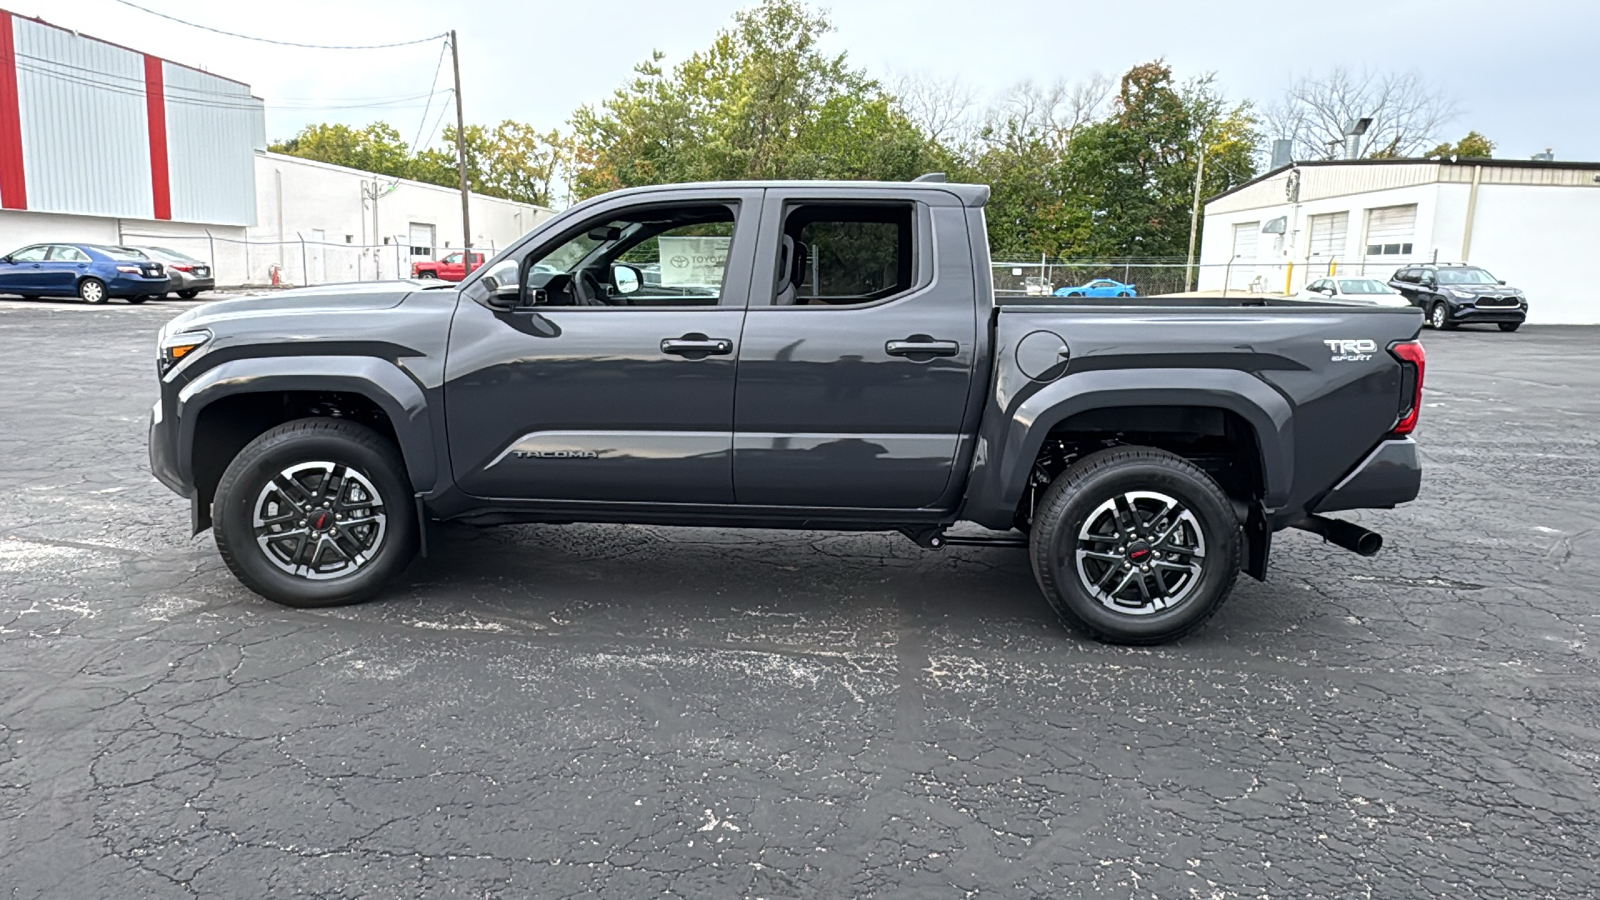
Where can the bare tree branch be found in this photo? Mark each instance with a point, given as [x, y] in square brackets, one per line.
[1407, 113]
[941, 107]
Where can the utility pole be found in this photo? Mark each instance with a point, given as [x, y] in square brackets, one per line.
[461, 156]
[1194, 222]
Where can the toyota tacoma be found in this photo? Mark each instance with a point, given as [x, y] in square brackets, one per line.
[803, 355]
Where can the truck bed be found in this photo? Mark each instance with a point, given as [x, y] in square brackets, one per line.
[1314, 381]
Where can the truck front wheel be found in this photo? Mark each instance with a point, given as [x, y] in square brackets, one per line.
[1134, 545]
[316, 512]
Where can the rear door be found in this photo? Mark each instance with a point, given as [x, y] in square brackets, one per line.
[63, 265]
[858, 351]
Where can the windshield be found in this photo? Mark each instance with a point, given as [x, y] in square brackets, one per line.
[1363, 286]
[1465, 276]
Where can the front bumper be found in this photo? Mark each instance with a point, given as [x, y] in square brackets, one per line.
[1468, 314]
[164, 452]
[1390, 475]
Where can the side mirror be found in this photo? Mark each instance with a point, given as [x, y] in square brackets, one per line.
[7, 259]
[626, 278]
[1502, 281]
[505, 296]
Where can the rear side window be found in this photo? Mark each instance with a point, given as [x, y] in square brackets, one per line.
[68, 254]
[846, 254]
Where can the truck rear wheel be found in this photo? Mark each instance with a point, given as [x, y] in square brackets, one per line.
[316, 512]
[1134, 545]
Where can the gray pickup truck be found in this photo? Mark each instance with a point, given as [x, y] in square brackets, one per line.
[804, 355]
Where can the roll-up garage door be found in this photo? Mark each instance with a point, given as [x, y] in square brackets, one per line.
[1327, 236]
[1389, 233]
[1246, 238]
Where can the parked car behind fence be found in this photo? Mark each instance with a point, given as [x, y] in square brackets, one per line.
[91, 272]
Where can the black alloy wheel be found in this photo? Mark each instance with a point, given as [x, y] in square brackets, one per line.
[316, 512]
[1135, 545]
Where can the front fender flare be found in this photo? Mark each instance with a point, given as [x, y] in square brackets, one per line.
[379, 380]
[1007, 450]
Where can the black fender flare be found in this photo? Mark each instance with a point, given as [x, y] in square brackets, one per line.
[379, 380]
[1007, 450]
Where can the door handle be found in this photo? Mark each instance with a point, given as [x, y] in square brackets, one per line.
[697, 345]
[921, 345]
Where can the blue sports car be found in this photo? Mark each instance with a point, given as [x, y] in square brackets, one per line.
[1100, 287]
[91, 272]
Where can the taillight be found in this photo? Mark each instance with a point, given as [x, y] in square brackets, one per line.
[1413, 362]
[181, 268]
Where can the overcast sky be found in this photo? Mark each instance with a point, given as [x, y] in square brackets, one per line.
[1526, 74]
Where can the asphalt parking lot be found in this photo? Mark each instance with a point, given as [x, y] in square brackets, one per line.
[637, 712]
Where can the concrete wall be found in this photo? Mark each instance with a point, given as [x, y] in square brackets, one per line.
[296, 199]
[1275, 252]
[1542, 239]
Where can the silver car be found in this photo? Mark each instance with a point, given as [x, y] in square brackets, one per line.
[189, 276]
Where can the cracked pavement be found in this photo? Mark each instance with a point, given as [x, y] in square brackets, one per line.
[618, 711]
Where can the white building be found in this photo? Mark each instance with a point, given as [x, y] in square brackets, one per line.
[102, 144]
[1531, 223]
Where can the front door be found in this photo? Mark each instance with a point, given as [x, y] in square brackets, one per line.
[603, 385]
[24, 274]
[858, 354]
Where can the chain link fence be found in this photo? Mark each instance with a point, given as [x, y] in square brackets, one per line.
[294, 263]
[1150, 277]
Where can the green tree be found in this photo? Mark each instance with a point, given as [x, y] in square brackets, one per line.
[1473, 146]
[376, 148]
[763, 101]
[1071, 181]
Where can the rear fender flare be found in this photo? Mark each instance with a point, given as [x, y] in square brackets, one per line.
[379, 380]
[1006, 463]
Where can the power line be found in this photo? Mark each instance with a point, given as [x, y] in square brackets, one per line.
[433, 89]
[239, 101]
[263, 40]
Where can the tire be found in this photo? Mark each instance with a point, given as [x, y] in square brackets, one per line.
[188, 295]
[1510, 326]
[1080, 510]
[30, 296]
[427, 275]
[92, 290]
[1439, 317]
[295, 461]
[135, 301]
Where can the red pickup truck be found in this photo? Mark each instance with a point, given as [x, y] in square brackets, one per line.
[450, 268]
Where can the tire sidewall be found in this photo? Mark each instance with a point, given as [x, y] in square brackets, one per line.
[241, 485]
[87, 281]
[1056, 548]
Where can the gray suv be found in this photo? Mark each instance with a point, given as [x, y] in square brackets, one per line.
[1452, 295]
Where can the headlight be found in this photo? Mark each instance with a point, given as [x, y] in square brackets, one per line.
[178, 347]
[1459, 295]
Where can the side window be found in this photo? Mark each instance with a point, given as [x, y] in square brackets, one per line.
[652, 257]
[62, 253]
[845, 254]
[30, 254]
[451, 259]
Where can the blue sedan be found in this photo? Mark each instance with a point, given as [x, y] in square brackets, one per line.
[90, 272]
[1100, 287]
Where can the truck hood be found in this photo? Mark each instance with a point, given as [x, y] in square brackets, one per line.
[354, 297]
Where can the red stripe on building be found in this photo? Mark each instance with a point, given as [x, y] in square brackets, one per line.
[155, 105]
[13, 183]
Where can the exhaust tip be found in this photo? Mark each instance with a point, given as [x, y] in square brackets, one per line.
[1369, 544]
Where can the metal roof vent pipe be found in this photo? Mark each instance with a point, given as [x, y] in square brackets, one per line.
[1352, 137]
